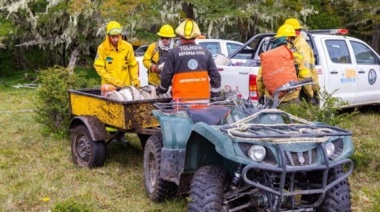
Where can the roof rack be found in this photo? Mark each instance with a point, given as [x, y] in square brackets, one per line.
[329, 31]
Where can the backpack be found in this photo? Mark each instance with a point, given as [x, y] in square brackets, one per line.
[277, 68]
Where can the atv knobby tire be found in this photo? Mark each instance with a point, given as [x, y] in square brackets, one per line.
[85, 151]
[207, 189]
[156, 188]
[338, 198]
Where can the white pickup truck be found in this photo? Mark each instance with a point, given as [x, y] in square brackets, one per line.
[347, 67]
[215, 46]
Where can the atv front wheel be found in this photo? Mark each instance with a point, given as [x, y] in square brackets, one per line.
[85, 151]
[338, 198]
[156, 188]
[207, 189]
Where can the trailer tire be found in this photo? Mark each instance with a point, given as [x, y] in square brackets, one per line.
[85, 151]
[156, 188]
[207, 189]
[338, 198]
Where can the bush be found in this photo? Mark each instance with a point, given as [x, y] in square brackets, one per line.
[52, 101]
[329, 112]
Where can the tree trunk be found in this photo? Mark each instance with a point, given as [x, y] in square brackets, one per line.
[375, 36]
[188, 9]
[252, 26]
[73, 60]
[242, 30]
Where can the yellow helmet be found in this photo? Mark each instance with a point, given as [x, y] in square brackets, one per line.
[294, 23]
[114, 28]
[188, 29]
[166, 31]
[285, 30]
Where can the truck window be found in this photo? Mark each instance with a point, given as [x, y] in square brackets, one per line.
[212, 47]
[338, 51]
[363, 54]
[232, 47]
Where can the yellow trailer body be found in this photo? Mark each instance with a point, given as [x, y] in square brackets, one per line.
[126, 115]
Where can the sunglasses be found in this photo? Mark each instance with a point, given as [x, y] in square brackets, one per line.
[163, 38]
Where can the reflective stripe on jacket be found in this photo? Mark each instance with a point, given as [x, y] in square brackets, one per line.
[117, 67]
[192, 72]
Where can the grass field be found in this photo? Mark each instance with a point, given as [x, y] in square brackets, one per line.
[37, 173]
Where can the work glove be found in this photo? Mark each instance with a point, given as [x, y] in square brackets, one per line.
[261, 100]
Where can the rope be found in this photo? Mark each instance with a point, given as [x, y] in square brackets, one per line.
[242, 125]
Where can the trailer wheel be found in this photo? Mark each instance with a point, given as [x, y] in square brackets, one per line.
[207, 189]
[156, 188]
[338, 198]
[85, 151]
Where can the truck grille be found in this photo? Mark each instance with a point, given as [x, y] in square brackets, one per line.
[301, 158]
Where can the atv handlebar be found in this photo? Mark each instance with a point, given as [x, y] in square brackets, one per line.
[289, 87]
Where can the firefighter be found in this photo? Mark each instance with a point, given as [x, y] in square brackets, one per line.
[116, 64]
[308, 61]
[273, 74]
[115, 60]
[190, 68]
[157, 53]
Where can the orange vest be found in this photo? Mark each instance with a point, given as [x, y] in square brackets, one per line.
[188, 86]
[277, 68]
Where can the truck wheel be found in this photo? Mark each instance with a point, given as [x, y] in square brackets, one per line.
[156, 188]
[338, 198]
[85, 151]
[207, 189]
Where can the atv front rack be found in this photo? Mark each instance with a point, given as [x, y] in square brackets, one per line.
[285, 128]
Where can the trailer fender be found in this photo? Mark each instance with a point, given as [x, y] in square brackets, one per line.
[94, 125]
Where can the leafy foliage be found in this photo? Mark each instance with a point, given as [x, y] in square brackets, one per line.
[67, 28]
[52, 100]
[329, 112]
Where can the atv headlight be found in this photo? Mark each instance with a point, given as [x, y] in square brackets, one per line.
[257, 152]
[330, 149]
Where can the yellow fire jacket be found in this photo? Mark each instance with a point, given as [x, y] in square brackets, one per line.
[152, 56]
[308, 61]
[117, 66]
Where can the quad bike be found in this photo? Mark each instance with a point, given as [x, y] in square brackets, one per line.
[230, 155]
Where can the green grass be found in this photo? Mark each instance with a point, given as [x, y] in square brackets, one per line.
[34, 166]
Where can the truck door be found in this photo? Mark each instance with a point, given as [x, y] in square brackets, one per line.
[367, 65]
[341, 79]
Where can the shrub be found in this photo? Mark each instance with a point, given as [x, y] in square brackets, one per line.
[52, 101]
[329, 112]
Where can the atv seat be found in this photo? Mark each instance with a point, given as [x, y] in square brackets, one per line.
[210, 115]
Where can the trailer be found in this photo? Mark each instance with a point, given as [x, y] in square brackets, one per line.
[92, 114]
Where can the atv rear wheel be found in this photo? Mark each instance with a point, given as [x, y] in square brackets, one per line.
[156, 188]
[85, 151]
[338, 198]
[207, 189]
